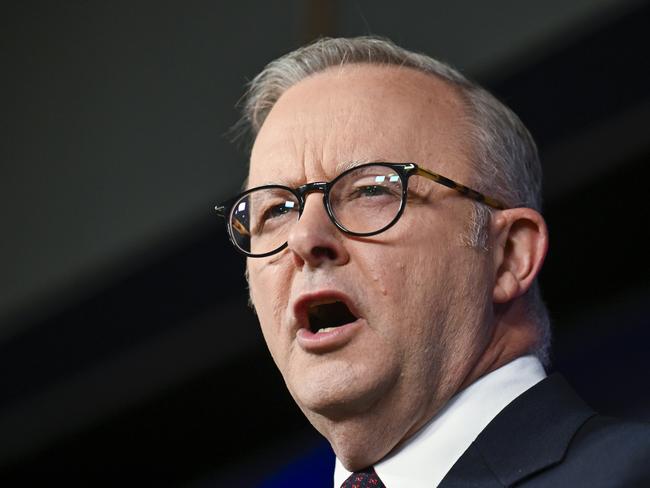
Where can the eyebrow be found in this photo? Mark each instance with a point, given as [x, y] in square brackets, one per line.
[291, 183]
[346, 165]
[340, 168]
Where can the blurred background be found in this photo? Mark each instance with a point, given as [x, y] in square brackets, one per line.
[127, 350]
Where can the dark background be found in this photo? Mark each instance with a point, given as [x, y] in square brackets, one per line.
[127, 351]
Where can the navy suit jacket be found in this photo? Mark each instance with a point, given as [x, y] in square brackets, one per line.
[548, 437]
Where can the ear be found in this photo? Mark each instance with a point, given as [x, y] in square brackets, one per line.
[520, 246]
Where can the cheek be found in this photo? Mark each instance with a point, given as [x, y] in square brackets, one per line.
[407, 299]
[408, 278]
[420, 289]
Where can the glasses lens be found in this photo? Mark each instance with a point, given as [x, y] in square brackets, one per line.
[367, 199]
[261, 220]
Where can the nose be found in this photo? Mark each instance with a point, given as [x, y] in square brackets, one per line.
[314, 240]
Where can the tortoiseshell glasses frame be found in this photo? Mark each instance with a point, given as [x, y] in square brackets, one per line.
[238, 226]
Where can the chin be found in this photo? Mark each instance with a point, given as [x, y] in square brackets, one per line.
[329, 400]
[341, 396]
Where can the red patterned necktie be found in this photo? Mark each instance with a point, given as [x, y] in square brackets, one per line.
[364, 479]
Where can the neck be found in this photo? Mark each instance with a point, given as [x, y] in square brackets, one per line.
[513, 335]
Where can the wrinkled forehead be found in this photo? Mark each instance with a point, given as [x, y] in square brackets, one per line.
[360, 113]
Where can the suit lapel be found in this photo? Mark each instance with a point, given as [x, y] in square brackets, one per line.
[470, 471]
[530, 434]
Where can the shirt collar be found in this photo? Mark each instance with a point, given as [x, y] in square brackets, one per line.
[425, 459]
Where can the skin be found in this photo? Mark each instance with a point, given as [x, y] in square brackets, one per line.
[436, 313]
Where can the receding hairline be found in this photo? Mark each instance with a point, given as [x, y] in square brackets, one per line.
[280, 74]
[361, 64]
[457, 89]
[356, 67]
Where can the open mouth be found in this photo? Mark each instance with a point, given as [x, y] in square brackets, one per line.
[324, 317]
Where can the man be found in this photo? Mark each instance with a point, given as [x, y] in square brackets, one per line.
[393, 232]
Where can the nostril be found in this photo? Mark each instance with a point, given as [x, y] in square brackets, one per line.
[323, 252]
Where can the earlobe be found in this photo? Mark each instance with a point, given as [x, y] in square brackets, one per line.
[521, 243]
[505, 288]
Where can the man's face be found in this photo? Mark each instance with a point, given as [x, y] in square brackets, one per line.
[417, 293]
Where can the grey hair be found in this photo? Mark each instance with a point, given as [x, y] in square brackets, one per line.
[503, 153]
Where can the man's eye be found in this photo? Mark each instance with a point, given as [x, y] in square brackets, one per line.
[371, 191]
[279, 210]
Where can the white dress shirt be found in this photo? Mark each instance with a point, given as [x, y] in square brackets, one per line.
[425, 459]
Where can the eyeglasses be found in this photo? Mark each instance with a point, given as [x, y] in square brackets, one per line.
[362, 201]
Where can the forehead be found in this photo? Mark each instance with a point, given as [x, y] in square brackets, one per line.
[360, 113]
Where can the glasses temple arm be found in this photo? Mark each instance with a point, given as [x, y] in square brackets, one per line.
[465, 190]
